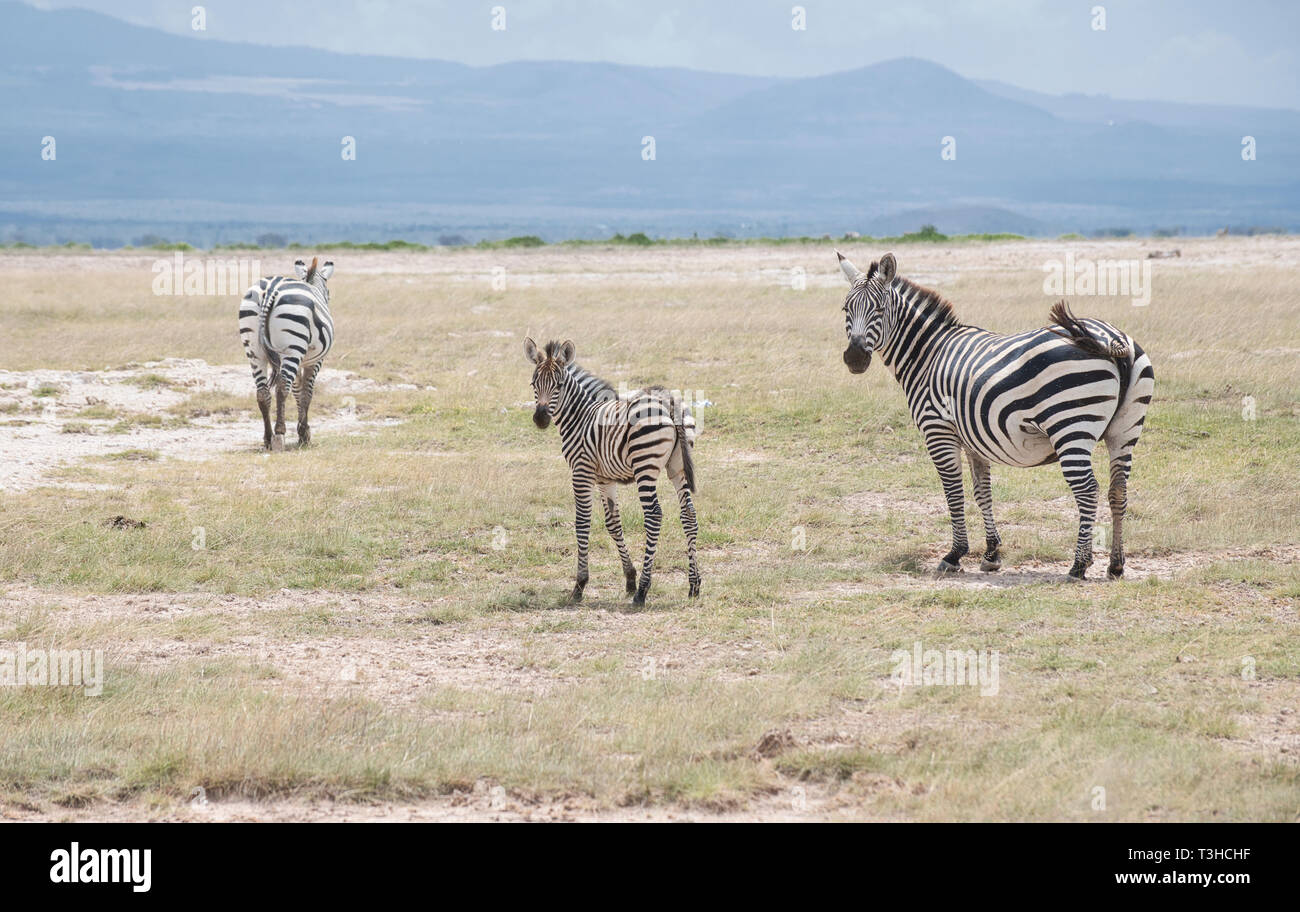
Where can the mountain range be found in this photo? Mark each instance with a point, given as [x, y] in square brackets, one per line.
[189, 138]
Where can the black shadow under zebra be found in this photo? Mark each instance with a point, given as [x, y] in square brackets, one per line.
[1023, 399]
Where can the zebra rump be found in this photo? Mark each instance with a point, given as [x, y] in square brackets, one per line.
[1116, 349]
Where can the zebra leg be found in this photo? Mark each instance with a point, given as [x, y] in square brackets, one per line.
[263, 393]
[277, 441]
[306, 385]
[683, 482]
[982, 482]
[946, 454]
[286, 381]
[582, 491]
[1121, 437]
[1118, 497]
[1076, 466]
[649, 494]
[690, 527]
[614, 524]
[264, 403]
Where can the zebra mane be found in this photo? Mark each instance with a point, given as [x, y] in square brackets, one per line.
[924, 301]
[589, 382]
[585, 379]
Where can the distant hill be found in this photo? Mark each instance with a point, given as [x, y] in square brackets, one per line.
[208, 141]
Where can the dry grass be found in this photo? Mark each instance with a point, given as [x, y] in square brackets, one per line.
[349, 630]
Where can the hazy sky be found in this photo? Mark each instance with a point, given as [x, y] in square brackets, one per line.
[1243, 52]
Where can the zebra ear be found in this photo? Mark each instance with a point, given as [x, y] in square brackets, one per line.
[530, 351]
[851, 272]
[326, 270]
[888, 267]
[300, 268]
[567, 352]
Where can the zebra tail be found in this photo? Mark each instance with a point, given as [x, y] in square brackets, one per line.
[688, 462]
[264, 335]
[684, 443]
[1077, 333]
[1116, 349]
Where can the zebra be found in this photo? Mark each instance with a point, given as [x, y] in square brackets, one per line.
[1023, 399]
[610, 440]
[287, 330]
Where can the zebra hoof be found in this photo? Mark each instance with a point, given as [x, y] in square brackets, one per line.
[576, 597]
[1077, 573]
[945, 567]
[638, 600]
[694, 591]
[1115, 571]
[277, 443]
[991, 566]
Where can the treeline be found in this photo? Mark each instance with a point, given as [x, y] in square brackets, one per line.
[926, 234]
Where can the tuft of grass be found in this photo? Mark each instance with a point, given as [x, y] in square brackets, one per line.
[135, 455]
[150, 381]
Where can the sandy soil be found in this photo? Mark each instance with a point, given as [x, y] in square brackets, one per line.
[485, 803]
[711, 265]
[366, 658]
[45, 431]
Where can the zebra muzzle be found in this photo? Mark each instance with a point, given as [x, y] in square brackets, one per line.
[542, 417]
[858, 359]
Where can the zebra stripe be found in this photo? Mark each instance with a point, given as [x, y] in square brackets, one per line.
[1023, 399]
[609, 441]
[287, 331]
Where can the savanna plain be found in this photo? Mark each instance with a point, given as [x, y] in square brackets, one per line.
[377, 627]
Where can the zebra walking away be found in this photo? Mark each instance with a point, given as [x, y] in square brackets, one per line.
[1023, 399]
[609, 441]
[287, 330]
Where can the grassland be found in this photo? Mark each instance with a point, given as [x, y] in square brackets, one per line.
[380, 620]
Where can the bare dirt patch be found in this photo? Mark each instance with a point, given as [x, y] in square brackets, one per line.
[697, 265]
[51, 418]
[484, 803]
[876, 502]
[1033, 572]
[382, 645]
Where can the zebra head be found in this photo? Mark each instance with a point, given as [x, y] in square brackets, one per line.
[864, 308]
[550, 373]
[316, 274]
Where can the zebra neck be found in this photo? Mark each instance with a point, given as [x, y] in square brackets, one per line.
[916, 331]
[322, 292]
[580, 391]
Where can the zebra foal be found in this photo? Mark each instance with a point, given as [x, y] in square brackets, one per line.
[287, 331]
[610, 440]
[1023, 399]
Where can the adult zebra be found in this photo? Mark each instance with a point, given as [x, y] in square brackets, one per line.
[610, 440]
[1023, 399]
[287, 330]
